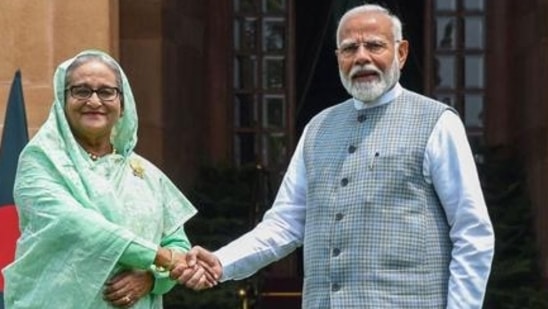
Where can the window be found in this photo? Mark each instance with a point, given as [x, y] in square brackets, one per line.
[262, 84]
[457, 72]
[263, 106]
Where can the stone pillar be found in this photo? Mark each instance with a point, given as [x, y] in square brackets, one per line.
[37, 35]
[141, 57]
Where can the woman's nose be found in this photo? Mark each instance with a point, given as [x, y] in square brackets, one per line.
[94, 101]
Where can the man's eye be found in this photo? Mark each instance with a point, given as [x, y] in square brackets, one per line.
[375, 46]
[350, 48]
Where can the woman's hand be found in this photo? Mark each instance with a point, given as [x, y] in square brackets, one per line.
[127, 287]
[199, 270]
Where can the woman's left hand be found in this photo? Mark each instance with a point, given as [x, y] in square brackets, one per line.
[127, 287]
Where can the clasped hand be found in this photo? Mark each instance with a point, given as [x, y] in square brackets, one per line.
[198, 269]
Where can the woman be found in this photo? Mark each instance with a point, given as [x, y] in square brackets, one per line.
[100, 225]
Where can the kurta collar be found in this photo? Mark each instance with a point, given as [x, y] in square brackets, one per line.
[387, 97]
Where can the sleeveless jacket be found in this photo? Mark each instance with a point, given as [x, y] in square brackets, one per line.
[376, 235]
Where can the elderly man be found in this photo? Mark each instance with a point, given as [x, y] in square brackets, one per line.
[382, 191]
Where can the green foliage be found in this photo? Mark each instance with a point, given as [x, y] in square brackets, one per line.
[224, 296]
[515, 281]
[224, 197]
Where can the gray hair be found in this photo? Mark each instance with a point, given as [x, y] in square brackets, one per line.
[82, 59]
[396, 22]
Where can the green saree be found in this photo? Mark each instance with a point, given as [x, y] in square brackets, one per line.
[82, 221]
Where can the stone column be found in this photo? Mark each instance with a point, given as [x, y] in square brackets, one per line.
[37, 35]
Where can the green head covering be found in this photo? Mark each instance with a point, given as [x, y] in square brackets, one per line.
[124, 134]
[77, 216]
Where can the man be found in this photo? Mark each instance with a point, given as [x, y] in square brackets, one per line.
[382, 191]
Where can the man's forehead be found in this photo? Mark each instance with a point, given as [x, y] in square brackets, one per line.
[366, 24]
[366, 19]
[363, 38]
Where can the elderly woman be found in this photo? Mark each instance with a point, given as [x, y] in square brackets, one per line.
[100, 225]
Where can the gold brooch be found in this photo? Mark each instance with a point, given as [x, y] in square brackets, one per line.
[138, 169]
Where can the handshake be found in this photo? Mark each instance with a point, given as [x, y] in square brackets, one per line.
[197, 269]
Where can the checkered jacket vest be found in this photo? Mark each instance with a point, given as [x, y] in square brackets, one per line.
[376, 235]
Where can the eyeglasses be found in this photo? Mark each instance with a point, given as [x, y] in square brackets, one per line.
[83, 92]
[349, 50]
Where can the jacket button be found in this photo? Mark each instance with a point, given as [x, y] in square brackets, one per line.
[361, 118]
[351, 149]
[344, 182]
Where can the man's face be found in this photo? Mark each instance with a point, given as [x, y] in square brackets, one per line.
[369, 58]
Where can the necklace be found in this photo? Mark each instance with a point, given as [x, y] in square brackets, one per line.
[95, 157]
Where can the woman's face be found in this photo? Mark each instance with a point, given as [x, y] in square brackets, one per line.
[92, 118]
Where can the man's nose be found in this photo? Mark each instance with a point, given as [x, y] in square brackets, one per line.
[362, 54]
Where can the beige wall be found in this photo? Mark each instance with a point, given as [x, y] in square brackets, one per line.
[141, 57]
[37, 35]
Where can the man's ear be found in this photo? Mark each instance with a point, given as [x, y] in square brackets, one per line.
[402, 52]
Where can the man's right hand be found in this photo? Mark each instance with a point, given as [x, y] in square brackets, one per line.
[202, 270]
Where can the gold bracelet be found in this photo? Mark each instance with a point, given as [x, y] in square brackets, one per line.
[170, 265]
[171, 261]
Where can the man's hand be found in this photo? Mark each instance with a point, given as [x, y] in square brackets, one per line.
[127, 287]
[201, 269]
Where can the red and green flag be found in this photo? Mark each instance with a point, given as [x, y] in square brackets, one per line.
[14, 138]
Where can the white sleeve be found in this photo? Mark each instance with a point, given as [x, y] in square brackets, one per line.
[450, 166]
[279, 233]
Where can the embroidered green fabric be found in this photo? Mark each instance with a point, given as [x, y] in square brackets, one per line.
[78, 217]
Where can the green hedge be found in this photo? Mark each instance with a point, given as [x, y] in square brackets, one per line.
[515, 281]
[225, 197]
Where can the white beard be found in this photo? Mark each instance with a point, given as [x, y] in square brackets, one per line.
[369, 91]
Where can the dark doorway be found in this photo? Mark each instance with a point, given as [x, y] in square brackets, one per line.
[318, 85]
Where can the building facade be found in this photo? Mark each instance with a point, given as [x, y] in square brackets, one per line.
[234, 81]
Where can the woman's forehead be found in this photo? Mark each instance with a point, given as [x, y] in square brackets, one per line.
[93, 68]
